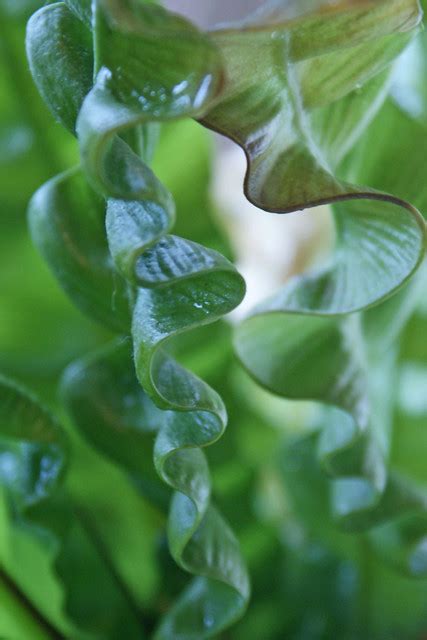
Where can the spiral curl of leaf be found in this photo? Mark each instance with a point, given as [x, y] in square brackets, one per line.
[150, 66]
[319, 80]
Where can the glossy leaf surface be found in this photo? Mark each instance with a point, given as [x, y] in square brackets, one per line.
[182, 285]
[315, 89]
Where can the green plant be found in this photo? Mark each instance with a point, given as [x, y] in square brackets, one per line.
[311, 93]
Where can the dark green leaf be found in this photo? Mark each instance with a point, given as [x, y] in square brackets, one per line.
[82, 9]
[33, 456]
[59, 51]
[112, 412]
[67, 224]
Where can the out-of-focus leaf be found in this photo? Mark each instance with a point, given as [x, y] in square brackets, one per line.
[127, 526]
[22, 421]
[302, 350]
[113, 413]
[67, 225]
[371, 584]
[82, 9]
[17, 9]
[36, 320]
[17, 617]
[33, 459]
[408, 87]
[189, 181]
[403, 543]
[33, 149]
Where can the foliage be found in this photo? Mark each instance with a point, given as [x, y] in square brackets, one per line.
[327, 500]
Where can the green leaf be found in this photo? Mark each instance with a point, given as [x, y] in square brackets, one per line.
[380, 562]
[34, 455]
[59, 51]
[211, 603]
[22, 421]
[288, 164]
[182, 285]
[82, 9]
[190, 287]
[113, 413]
[127, 44]
[67, 225]
[296, 345]
[318, 81]
[309, 358]
[17, 617]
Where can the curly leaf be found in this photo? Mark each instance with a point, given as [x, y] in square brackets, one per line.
[297, 345]
[211, 603]
[127, 40]
[189, 286]
[319, 359]
[400, 543]
[317, 82]
[181, 284]
[113, 413]
[139, 82]
[303, 65]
